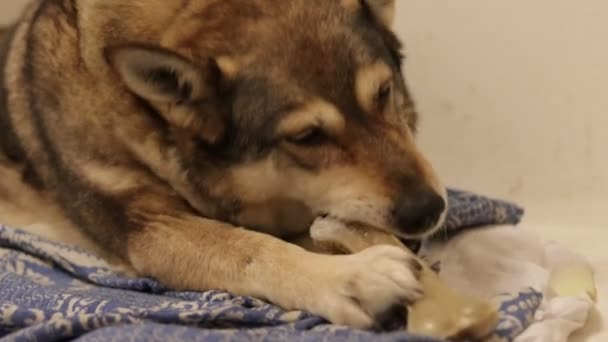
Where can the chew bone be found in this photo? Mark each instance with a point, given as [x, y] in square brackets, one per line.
[441, 313]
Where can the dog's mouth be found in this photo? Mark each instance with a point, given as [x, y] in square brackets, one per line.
[414, 244]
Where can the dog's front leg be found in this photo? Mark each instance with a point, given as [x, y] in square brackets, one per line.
[184, 251]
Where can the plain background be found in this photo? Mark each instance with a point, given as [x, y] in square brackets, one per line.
[514, 104]
[513, 98]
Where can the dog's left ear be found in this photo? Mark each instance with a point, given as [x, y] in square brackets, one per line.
[384, 10]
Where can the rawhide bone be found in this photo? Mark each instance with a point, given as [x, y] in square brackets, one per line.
[441, 313]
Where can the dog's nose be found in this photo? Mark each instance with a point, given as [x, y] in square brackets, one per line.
[419, 210]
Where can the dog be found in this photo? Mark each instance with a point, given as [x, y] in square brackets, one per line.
[193, 138]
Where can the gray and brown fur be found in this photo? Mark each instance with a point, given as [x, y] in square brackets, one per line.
[188, 138]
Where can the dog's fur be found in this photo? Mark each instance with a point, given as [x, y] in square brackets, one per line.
[159, 128]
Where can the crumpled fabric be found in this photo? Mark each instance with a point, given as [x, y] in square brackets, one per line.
[503, 262]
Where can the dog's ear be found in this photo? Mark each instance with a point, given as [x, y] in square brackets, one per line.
[157, 75]
[184, 93]
[384, 10]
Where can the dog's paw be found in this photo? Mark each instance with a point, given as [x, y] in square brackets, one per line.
[370, 289]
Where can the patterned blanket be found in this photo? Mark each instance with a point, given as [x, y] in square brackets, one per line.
[53, 292]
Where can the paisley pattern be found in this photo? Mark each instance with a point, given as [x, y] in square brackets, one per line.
[517, 313]
[467, 210]
[51, 291]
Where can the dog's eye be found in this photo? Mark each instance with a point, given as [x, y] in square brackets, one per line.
[384, 94]
[308, 137]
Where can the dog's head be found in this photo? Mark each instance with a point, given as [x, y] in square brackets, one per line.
[283, 111]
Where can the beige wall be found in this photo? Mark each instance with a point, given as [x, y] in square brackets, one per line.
[512, 94]
[514, 97]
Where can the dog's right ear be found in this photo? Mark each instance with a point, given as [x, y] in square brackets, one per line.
[156, 75]
[185, 94]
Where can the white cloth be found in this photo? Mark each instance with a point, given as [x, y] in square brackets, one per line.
[557, 319]
[507, 259]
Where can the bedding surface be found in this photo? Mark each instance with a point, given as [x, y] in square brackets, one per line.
[52, 292]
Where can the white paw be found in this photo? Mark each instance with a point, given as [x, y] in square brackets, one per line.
[370, 289]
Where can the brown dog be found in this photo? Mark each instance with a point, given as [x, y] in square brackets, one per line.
[160, 128]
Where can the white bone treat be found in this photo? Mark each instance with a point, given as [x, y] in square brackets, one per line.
[441, 313]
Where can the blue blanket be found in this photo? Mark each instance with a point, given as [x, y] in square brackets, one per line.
[52, 292]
